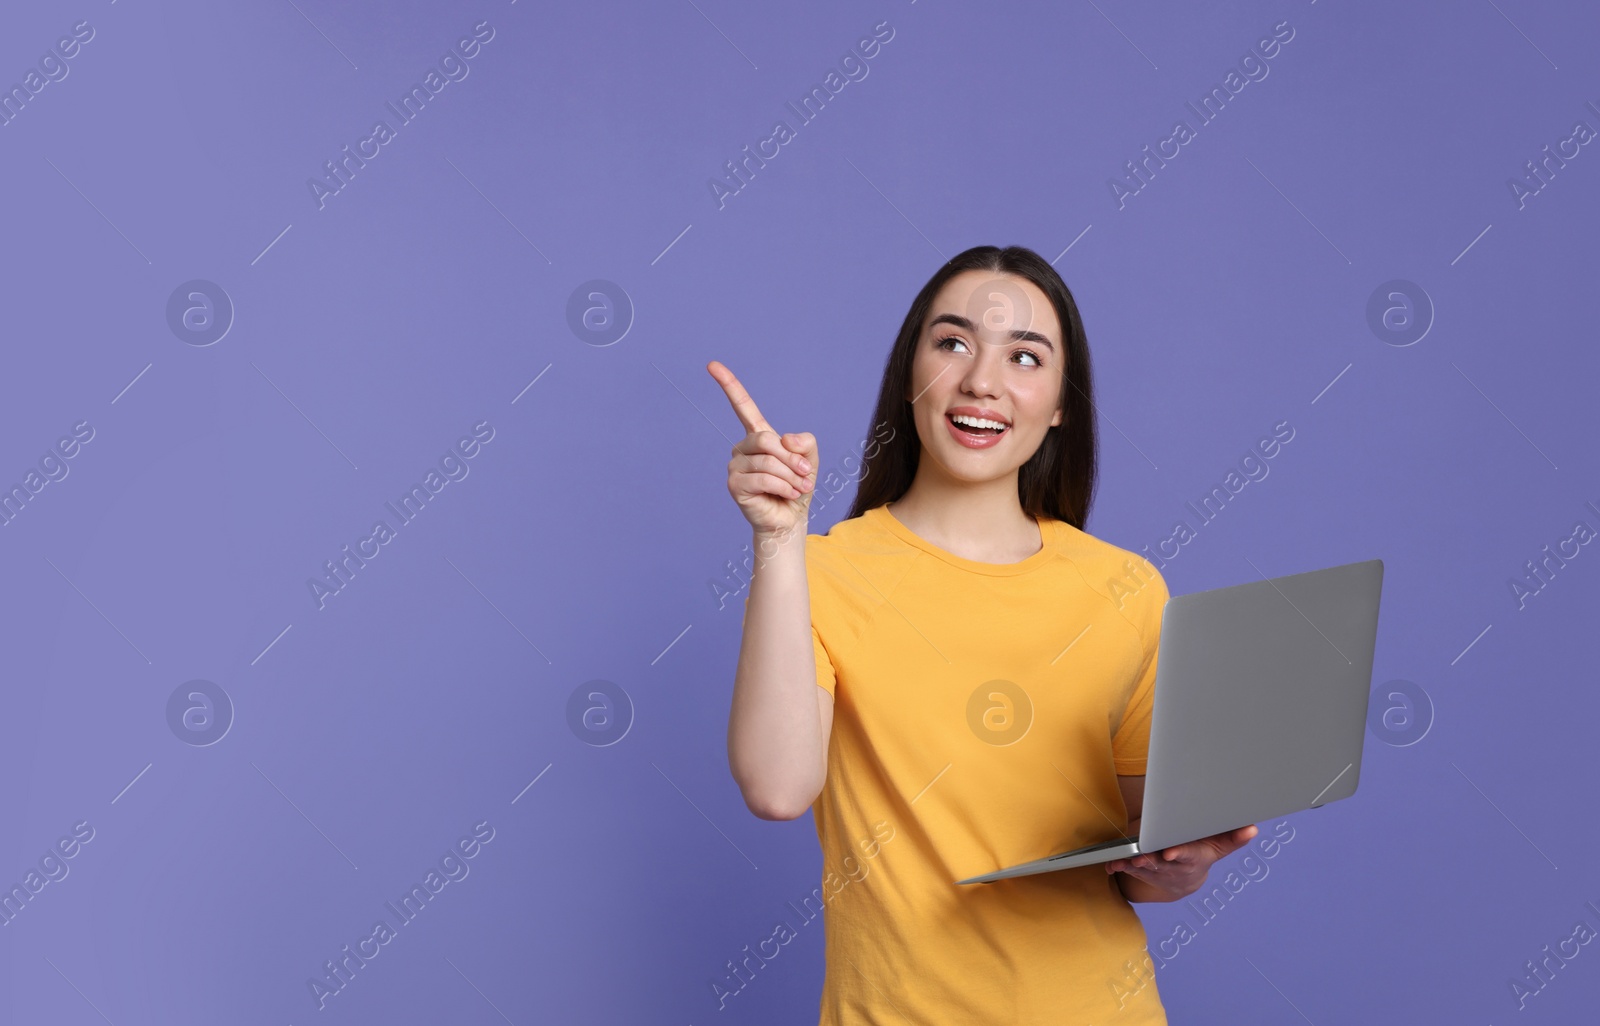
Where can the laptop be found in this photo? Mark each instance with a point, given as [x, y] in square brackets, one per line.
[1260, 709]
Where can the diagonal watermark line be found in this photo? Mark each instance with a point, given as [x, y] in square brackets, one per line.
[303, 816]
[535, 780]
[530, 384]
[1074, 641]
[697, 808]
[1296, 608]
[1502, 413]
[930, 783]
[274, 242]
[674, 242]
[130, 384]
[97, 210]
[674, 641]
[303, 414]
[96, 608]
[1497, 808]
[481, 994]
[723, 34]
[691, 402]
[1464, 651]
[891, 604]
[1101, 413]
[323, 34]
[496, 608]
[1104, 815]
[1297, 210]
[274, 641]
[1074, 242]
[897, 210]
[1523, 34]
[929, 385]
[1335, 780]
[1474, 242]
[1330, 384]
[1281, 994]
[135, 780]
[74, 986]
[1124, 35]
[497, 210]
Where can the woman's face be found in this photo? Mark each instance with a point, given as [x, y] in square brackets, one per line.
[991, 347]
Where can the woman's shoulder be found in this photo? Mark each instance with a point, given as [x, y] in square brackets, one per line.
[1119, 573]
[862, 533]
[853, 547]
[1085, 548]
[850, 571]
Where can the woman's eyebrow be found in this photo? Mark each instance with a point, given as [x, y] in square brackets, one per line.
[1017, 334]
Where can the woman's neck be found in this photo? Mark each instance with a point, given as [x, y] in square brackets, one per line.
[981, 522]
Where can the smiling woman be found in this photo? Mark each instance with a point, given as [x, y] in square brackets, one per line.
[996, 336]
[958, 659]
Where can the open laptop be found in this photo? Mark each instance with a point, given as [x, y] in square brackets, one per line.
[1260, 709]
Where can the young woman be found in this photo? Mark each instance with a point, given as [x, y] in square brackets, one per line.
[958, 676]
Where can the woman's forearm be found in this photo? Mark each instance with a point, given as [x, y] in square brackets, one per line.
[776, 750]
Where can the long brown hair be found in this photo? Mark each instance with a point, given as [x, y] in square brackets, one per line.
[1058, 481]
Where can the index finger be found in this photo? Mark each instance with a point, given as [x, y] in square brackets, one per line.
[743, 406]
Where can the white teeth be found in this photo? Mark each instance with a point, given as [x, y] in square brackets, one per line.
[962, 418]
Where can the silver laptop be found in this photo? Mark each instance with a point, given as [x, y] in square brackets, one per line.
[1260, 709]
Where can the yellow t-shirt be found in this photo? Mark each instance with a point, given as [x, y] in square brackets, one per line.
[982, 712]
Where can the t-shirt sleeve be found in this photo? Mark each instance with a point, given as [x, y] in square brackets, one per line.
[827, 679]
[1130, 746]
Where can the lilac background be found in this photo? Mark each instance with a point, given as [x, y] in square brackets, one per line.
[369, 735]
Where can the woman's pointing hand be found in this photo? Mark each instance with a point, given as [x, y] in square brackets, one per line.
[770, 476]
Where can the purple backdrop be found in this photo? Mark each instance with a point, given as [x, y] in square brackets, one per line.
[242, 324]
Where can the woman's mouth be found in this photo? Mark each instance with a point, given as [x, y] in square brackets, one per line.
[974, 437]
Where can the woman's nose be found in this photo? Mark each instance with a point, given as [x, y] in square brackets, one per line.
[984, 372]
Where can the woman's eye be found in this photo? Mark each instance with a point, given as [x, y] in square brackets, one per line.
[944, 342]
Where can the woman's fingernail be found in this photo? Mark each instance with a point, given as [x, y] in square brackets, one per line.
[805, 467]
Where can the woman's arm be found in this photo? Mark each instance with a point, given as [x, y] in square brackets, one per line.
[780, 722]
